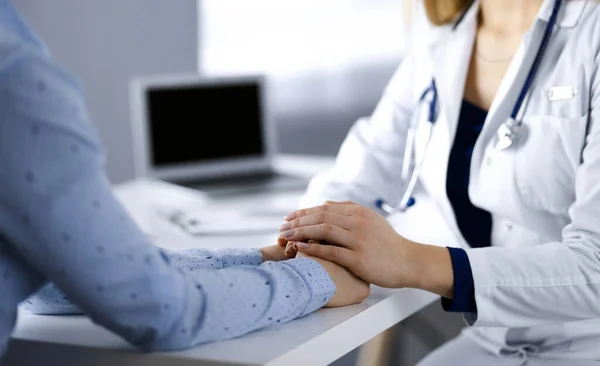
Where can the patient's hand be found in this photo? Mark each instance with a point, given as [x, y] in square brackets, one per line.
[273, 253]
[289, 249]
[349, 288]
[290, 246]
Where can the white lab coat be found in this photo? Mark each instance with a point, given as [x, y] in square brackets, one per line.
[540, 280]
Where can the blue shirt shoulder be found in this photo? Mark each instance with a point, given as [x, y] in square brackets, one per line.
[61, 223]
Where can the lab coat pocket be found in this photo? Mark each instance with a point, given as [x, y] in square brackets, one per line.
[546, 159]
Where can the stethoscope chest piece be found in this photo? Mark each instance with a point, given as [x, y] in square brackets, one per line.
[508, 134]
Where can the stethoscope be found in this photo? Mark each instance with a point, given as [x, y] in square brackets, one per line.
[505, 137]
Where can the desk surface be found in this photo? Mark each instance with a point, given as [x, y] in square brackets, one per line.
[317, 339]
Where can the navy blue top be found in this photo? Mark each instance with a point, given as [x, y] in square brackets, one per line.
[474, 223]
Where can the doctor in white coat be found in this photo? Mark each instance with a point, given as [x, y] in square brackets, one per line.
[497, 110]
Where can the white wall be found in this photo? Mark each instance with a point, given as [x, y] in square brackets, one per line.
[327, 61]
[295, 37]
[106, 42]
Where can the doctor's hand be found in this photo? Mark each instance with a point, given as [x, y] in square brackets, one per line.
[364, 242]
[349, 288]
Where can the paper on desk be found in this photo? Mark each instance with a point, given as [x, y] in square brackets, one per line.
[198, 222]
[143, 197]
[160, 206]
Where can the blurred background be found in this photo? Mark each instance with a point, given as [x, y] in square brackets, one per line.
[327, 62]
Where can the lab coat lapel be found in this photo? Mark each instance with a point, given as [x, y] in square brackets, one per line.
[570, 14]
[450, 53]
[508, 92]
[515, 77]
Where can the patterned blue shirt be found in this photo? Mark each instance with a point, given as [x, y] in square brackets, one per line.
[60, 223]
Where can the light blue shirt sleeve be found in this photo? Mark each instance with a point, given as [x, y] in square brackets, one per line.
[61, 220]
[49, 300]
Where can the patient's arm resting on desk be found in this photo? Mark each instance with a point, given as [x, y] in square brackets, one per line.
[60, 215]
[50, 300]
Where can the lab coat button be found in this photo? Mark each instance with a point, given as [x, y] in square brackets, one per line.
[508, 226]
[488, 161]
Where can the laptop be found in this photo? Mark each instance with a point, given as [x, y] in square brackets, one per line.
[213, 134]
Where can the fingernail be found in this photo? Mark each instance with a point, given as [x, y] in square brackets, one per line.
[290, 217]
[288, 233]
[285, 226]
[303, 245]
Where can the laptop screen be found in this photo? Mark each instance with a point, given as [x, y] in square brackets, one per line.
[202, 123]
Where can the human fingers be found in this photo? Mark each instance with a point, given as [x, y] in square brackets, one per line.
[330, 233]
[343, 221]
[340, 208]
[339, 255]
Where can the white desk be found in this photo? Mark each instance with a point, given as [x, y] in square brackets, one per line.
[317, 339]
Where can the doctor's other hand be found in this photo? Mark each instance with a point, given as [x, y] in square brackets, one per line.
[350, 289]
[365, 243]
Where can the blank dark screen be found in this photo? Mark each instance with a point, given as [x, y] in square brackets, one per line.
[204, 122]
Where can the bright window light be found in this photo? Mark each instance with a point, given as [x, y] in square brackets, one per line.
[284, 37]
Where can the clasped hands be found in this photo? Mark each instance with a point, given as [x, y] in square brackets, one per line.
[335, 233]
[357, 246]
